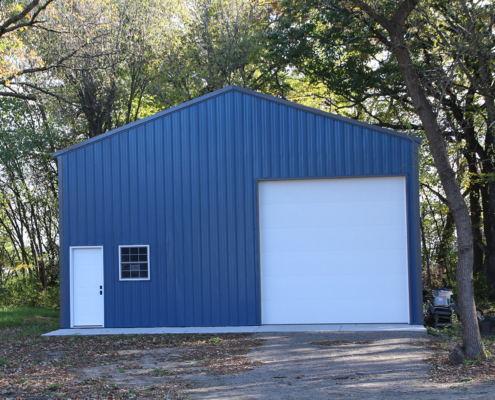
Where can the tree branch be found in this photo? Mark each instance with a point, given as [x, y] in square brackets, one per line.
[18, 17]
[18, 95]
[372, 13]
[12, 23]
[440, 197]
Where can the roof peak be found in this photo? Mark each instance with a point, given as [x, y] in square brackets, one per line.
[244, 91]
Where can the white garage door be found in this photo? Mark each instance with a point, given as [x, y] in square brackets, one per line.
[334, 251]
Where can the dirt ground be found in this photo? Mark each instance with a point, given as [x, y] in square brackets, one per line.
[366, 365]
[337, 365]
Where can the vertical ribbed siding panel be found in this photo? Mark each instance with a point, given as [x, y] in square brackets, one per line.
[214, 208]
[80, 212]
[160, 263]
[114, 308]
[321, 145]
[367, 152]
[195, 222]
[144, 194]
[252, 122]
[203, 269]
[232, 222]
[108, 231]
[357, 149]
[186, 211]
[186, 185]
[172, 236]
[243, 163]
[311, 149]
[149, 201]
[178, 227]
[223, 233]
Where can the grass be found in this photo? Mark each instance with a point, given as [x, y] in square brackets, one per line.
[31, 320]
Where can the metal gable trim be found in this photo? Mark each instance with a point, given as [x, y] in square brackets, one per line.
[240, 90]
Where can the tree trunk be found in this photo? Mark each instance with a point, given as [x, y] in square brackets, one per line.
[472, 345]
[443, 246]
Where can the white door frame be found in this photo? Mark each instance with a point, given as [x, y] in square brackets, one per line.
[71, 252]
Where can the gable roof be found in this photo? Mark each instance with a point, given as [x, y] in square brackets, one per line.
[244, 91]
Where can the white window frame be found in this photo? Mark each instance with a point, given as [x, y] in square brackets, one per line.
[120, 262]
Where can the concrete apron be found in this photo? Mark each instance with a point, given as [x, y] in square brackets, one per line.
[241, 329]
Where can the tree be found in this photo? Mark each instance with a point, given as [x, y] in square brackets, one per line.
[375, 54]
[28, 177]
[216, 44]
[19, 21]
[104, 86]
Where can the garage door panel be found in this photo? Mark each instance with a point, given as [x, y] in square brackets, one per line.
[336, 287]
[373, 312]
[333, 238]
[333, 262]
[328, 242]
[305, 191]
[332, 214]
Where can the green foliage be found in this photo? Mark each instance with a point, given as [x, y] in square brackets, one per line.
[432, 331]
[28, 292]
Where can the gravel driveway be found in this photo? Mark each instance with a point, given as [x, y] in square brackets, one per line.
[337, 365]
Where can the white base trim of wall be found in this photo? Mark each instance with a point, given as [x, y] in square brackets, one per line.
[243, 329]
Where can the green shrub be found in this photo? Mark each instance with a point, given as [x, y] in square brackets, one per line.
[28, 292]
[432, 331]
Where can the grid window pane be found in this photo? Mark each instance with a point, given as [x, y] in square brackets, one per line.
[134, 263]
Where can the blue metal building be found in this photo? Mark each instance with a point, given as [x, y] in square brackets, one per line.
[239, 208]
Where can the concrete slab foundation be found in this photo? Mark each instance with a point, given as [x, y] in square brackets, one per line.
[240, 329]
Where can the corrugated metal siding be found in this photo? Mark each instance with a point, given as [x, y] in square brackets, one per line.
[186, 184]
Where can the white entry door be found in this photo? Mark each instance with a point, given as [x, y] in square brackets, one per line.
[334, 251]
[87, 286]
